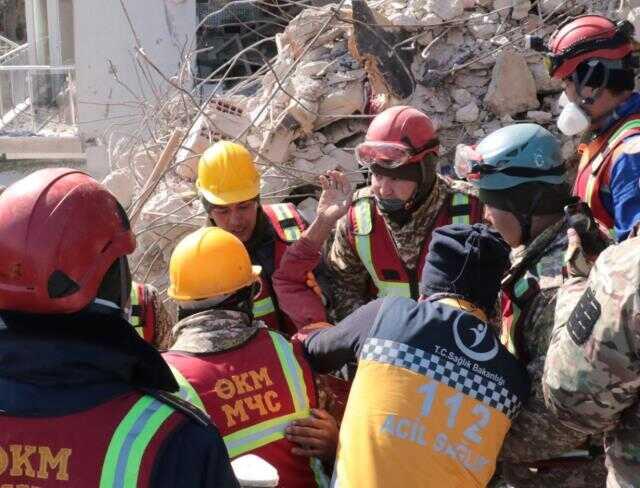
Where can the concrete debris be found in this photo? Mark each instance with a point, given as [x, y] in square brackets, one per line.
[539, 117]
[518, 9]
[122, 185]
[445, 9]
[634, 17]
[512, 87]
[482, 26]
[468, 113]
[460, 61]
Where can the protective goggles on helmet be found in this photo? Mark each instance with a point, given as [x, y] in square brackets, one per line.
[470, 165]
[391, 155]
[553, 61]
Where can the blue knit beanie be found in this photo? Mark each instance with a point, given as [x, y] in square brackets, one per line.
[466, 260]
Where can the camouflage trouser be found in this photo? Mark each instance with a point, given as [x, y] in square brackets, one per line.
[590, 474]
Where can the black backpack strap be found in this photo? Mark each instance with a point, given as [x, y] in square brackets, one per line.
[182, 406]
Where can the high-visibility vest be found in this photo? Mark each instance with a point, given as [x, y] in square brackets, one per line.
[432, 400]
[143, 316]
[515, 296]
[113, 445]
[594, 171]
[253, 393]
[377, 252]
[288, 224]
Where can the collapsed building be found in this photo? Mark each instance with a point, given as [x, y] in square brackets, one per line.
[301, 112]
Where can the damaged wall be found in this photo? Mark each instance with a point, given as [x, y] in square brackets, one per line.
[105, 45]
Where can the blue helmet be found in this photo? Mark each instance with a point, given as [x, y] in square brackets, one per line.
[516, 154]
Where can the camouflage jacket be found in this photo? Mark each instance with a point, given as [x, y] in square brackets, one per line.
[162, 338]
[592, 372]
[213, 331]
[351, 279]
[536, 434]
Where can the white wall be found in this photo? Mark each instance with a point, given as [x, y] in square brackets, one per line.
[102, 33]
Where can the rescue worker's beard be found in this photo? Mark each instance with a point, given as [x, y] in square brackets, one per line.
[239, 301]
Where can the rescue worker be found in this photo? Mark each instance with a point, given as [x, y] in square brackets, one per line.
[229, 186]
[249, 379]
[85, 400]
[594, 58]
[381, 244]
[149, 316]
[435, 392]
[521, 180]
[591, 371]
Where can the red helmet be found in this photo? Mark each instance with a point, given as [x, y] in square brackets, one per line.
[60, 231]
[587, 37]
[397, 136]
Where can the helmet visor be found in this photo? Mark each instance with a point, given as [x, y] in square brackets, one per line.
[384, 154]
[391, 155]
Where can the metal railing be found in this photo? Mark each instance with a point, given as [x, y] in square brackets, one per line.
[31, 96]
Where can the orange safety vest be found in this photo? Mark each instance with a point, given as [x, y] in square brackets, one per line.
[288, 224]
[594, 171]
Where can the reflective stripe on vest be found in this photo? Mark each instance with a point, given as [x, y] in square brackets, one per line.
[131, 438]
[460, 201]
[263, 307]
[135, 307]
[363, 248]
[187, 392]
[508, 334]
[271, 430]
[591, 190]
[283, 212]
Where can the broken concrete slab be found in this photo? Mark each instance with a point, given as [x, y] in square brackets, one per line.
[512, 88]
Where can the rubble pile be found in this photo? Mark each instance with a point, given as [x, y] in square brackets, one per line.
[464, 62]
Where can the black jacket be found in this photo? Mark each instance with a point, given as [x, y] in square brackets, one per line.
[58, 365]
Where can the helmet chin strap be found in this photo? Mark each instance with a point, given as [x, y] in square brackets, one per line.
[525, 220]
[580, 85]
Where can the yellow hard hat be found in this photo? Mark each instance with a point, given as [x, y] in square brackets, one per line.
[210, 262]
[226, 174]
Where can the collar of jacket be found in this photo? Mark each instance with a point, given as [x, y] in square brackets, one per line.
[630, 106]
[522, 258]
[79, 349]
[213, 331]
